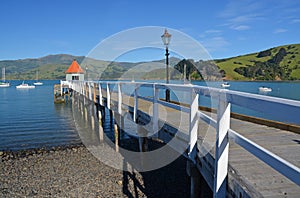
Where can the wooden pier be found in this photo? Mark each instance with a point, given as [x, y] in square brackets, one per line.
[236, 158]
[62, 93]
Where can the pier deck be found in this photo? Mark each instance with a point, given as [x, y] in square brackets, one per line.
[249, 172]
[255, 174]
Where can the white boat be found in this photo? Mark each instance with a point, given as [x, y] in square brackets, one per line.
[37, 79]
[38, 83]
[3, 83]
[225, 84]
[264, 89]
[25, 86]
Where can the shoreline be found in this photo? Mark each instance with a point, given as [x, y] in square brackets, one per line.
[72, 171]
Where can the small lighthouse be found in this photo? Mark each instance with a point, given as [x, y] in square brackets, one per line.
[74, 72]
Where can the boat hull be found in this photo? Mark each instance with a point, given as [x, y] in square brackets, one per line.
[38, 83]
[25, 86]
[4, 85]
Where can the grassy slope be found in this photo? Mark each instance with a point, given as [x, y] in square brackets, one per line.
[54, 66]
[228, 65]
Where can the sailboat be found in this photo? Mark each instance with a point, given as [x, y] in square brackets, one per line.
[3, 83]
[37, 79]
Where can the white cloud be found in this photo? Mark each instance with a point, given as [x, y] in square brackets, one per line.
[295, 21]
[240, 27]
[241, 15]
[210, 33]
[280, 30]
[236, 8]
[213, 31]
[215, 44]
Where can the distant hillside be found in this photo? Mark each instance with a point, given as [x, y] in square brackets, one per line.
[278, 63]
[49, 67]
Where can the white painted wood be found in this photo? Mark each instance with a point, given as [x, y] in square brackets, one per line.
[252, 101]
[155, 111]
[281, 165]
[108, 95]
[90, 91]
[136, 104]
[193, 125]
[100, 95]
[222, 147]
[119, 99]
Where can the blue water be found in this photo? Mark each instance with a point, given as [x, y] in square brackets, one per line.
[30, 119]
[287, 90]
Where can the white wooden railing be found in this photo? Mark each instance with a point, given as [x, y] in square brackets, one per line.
[287, 109]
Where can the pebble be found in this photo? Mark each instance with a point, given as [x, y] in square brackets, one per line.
[75, 172]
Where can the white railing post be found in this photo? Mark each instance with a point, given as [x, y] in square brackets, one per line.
[222, 146]
[193, 125]
[155, 111]
[108, 95]
[119, 99]
[90, 91]
[100, 95]
[136, 104]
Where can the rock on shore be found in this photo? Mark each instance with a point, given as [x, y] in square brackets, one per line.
[75, 172]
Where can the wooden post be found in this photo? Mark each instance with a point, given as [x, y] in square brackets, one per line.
[90, 91]
[136, 105]
[195, 179]
[193, 136]
[92, 120]
[108, 96]
[100, 95]
[85, 113]
[120, 119]
[143, 141]
[111, 117]
[86, 90]
[117, 135]
[193, 125]
[222, 146]
[119, 99]
[101, 133]
[95, 98]
[155, 111]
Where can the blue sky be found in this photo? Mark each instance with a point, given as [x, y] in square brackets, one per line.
[36, 28]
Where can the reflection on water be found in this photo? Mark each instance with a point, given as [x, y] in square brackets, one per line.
[29, 119]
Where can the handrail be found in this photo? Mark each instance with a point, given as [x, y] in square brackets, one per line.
[289, 110]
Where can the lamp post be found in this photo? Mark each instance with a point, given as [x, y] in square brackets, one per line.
[166, 37]
[87, 74]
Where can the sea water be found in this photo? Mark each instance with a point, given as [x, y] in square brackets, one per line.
[30, 119]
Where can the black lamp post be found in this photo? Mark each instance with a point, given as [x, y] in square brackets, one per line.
[166, 37]
[87, 74]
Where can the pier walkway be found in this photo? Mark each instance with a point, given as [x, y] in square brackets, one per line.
[236, 158]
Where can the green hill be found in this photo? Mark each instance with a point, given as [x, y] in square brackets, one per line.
[278, 63]
[49, 67]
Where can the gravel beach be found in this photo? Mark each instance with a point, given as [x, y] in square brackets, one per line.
[75, 172]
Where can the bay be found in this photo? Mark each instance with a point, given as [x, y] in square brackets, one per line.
[30, 119]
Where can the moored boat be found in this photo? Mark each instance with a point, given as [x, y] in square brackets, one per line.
[25, 86]
[264, 89]
[4, 83]
[225, 84]
[37, 80]
[38, 83]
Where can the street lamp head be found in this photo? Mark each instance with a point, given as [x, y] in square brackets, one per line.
[166, 37]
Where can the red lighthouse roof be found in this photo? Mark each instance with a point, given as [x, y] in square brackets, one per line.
[74, 68]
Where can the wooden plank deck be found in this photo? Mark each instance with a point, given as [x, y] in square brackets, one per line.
[264, 179]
